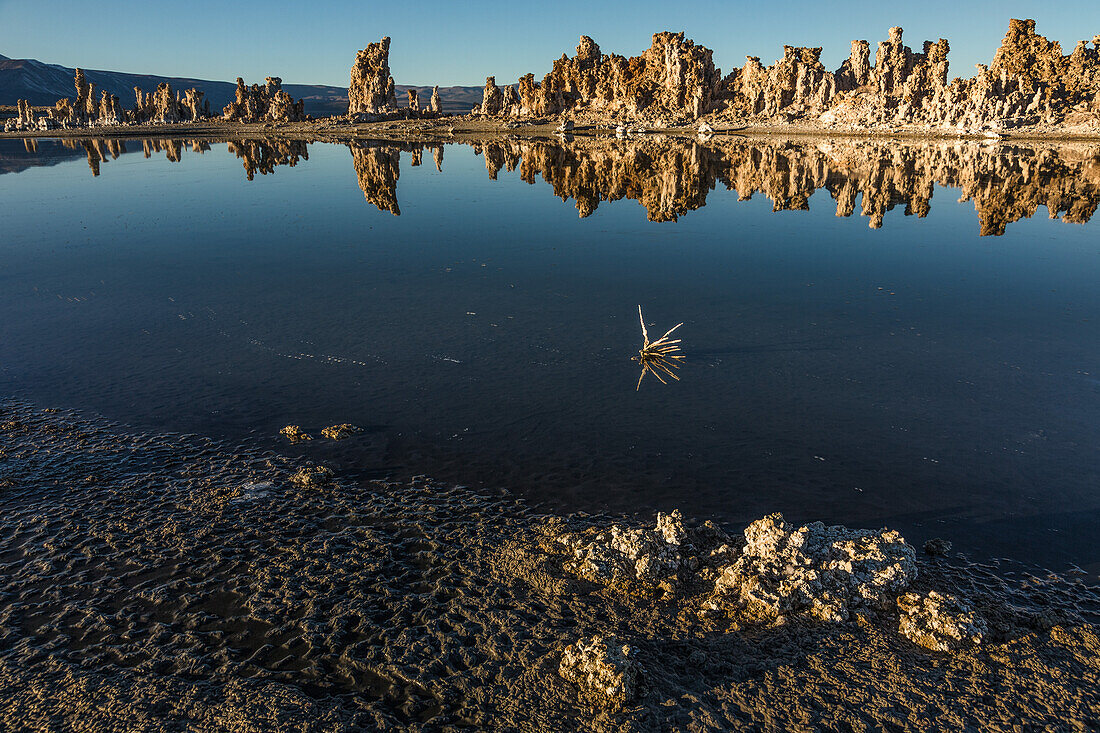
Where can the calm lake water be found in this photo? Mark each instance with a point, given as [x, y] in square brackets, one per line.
[912, 373]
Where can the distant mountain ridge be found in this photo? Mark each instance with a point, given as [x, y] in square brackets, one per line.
[43, 84]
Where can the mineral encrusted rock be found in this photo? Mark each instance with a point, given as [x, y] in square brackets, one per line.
[1028, 83]
[312, 477]
[339, 432]
[623, 554]
[937, 547]
[369, 90]
[673, 76]
[267, 103]
[492, 101]
[826, 572]
[436, 103]
[603, 669]
[295, 434]
[939, 621]
[414, 99]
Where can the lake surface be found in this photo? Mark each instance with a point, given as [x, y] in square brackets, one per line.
[875, 334]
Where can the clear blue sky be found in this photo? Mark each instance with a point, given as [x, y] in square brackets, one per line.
[462, 42]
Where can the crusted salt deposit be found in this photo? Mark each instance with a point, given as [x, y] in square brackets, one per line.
[620, 554]
[826, 572]
[939, 621]
[603, 668]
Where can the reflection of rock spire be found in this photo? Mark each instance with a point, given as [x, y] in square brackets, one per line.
[378, 166]
[263, 156]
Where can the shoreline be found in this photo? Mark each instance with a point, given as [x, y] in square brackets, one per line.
[234, 584]
[458, 129]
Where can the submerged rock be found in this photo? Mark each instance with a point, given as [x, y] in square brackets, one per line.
[339, 432]
[826, 572]
[937, 547]
[602, 668]
[295, 434]
[312, 477]
[939, 621]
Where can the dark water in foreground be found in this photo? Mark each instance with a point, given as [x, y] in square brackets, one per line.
[916, 375]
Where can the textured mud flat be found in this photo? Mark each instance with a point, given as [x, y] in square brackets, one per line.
[171, 583]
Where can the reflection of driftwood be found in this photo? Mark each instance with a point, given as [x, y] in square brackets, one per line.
[658, 357]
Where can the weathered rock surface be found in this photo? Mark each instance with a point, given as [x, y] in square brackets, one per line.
[603, 668]
[339, 432]
[673, 76]
[371, 87]
[267, 103]
[939, 621]
[826, 572]
[619, 554]
[436, 104]
[295, 434]
[1028, 83]
[492, 101]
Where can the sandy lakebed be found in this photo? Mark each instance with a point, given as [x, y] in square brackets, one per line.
[169, 582]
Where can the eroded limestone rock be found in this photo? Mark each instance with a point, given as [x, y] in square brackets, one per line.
[674, 76]
[603, 668]
[826, 572]
[312, 477]
[939, 621]
[267, 103]
[492, 101]
[651, 557]
[295, 434]
[368, 91]
[339, 432]
[436, 104]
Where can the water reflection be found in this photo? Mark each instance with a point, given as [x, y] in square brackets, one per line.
[673, 177]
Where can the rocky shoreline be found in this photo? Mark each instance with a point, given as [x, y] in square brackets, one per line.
[160, 582]
[1029, 89]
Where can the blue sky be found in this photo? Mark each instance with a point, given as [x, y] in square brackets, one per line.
[461, 43]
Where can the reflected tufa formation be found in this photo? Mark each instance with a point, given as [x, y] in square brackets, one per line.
[672, 177]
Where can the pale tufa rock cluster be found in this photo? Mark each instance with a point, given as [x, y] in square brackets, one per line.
[603, 669]
[630, 555]
[939, 621]
[267, 103]
[826, 572]
[1028, 83]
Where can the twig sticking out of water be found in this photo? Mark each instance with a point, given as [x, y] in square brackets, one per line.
[658, 357]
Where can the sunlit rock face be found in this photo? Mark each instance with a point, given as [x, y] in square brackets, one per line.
[1029, 82]
[371, 88]
[672, 77]
[267, 103]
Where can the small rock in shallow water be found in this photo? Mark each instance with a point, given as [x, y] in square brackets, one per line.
[937, 547]
[602, 668]
[339, 432]
[939, 621]
[312, 477]
[294, 434]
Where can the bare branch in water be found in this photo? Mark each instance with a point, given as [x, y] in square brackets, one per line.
[658, 357]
